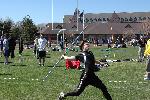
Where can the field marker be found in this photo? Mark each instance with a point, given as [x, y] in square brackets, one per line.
[126, 82]
[118, 81]
[109, 81]
[17, 79]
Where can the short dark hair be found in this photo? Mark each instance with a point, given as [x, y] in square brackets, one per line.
[82, 44]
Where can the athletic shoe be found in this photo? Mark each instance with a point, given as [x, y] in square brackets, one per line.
[146, 78]
[61, 96]
[5, 63]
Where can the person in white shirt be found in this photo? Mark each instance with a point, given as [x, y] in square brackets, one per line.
[42, 43]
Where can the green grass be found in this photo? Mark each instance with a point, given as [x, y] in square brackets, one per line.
[124, 80]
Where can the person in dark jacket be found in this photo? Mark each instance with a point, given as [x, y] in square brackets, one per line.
[88, 76]
[1, 45]
[141, 43]
[20, 45]
[12, 44]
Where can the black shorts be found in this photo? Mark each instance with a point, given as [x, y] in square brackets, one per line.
[42, 54]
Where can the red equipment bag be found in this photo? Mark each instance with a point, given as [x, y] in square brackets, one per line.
[73, 64]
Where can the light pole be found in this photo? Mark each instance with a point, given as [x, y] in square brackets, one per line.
[77, 15]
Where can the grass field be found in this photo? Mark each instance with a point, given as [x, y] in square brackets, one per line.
[23, 81]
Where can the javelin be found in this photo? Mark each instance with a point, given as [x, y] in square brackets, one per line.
[79, 35]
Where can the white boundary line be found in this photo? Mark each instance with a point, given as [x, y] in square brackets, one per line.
[36, 79]
[126, 82]
[17, 79]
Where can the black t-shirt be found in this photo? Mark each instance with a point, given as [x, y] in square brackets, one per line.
[142, 43]
[89, 63]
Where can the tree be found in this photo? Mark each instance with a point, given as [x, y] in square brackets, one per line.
[7, 24]
[29, 29]
[1, 27]
[17, 30]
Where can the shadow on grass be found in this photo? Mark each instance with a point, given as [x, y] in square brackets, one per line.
[3, 74]
[19, 65]
[48, 54]
[26, 55]
[3, 62]
[48, 57]
[53, 66]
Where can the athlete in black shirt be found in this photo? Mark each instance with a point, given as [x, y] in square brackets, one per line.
[88, 76]
[141, 43]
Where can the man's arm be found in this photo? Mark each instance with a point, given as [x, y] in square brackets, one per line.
[69, 58]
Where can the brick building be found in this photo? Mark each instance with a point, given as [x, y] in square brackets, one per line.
[101, 26]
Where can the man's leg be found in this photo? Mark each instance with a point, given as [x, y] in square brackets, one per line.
[12, 54]
[77, 91]
[147, 76]
[43, 57]
[43, 61]
[6, 60]
[80, 88]
[142, 54]
[96, 82]
[40, 61]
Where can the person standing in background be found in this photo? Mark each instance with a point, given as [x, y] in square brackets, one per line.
[1, 45]
[36, 47]
[141, 43]
[42, 43]
[20, 49]
[12, 44]
[6, 48]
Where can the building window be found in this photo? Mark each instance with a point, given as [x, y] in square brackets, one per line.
[126, 19]
[122, 19]
[104, 19]
[74, 26]
[91, 20]
[95, 19]
[58, 27]
[144, 18]
[140, 18]
[128, 26]
[99, 19]
[135, 19]
[86, 20]
[130, 19]
[108, 19]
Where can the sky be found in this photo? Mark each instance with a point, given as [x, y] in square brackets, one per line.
[43, 11]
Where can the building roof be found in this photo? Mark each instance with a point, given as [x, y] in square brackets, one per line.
[114, 28]
[95, 28]
[113, 25]
[123, 16]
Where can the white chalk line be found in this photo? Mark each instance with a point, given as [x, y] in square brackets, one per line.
[18, 79]
[125, 82]
[32, 79]
[71, 85]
